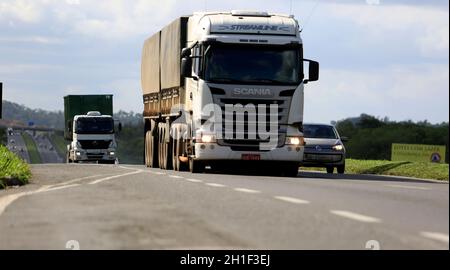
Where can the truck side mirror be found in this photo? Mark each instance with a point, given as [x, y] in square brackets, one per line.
[186, 67]
[186, 52]
[344, 139]
[120, 127]
[313, 71]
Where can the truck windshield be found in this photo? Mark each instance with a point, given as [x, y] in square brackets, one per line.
[252, 65]
[95, 125]
[319, 132]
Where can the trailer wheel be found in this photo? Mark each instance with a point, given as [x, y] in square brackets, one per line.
[148, 134]
[160, 146]
[174, 150]
[178, 151]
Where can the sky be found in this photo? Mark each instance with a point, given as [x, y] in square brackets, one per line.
[380, 57]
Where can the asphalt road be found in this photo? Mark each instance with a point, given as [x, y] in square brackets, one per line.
[132, 207]
[17, 145]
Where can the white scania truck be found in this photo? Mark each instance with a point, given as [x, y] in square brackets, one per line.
[225, 87]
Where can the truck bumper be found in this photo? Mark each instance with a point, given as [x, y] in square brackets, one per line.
[94, 155]
[211, 151]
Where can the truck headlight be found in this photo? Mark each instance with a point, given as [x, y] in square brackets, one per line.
[78, 153]
[208, 138]
[338, 147]
[295, 141]
[112, 153]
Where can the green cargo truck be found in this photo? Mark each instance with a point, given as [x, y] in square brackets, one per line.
[89, 126]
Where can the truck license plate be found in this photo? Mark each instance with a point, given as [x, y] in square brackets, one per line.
[251, 157]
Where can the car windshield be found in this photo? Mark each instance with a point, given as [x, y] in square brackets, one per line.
[252, 65]
[94, 125]
[319, 132]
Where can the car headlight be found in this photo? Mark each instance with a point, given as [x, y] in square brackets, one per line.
[295, 141]
[78, 153]
[338, 147]
[112, 153]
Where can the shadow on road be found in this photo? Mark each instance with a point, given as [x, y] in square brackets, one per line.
[368, 177]
[252, 171]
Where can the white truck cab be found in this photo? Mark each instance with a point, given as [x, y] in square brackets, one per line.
[93, 139]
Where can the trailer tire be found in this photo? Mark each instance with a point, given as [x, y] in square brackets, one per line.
[150, 150]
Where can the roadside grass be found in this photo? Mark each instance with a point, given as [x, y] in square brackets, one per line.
[59, 143]
[12, 168]
[425, 170]
[33, 152]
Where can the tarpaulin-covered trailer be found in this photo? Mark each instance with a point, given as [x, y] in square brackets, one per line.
[161, 80]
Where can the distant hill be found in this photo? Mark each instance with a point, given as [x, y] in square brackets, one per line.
[16, 112]
[13, 112]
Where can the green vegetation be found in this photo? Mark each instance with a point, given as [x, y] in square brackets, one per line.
[130, 144]
[59, 143]
[33, 152]
[372, 138]
[403, 168]
[12, 168]
[3, 136]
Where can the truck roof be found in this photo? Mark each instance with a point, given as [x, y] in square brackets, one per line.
[248, 22]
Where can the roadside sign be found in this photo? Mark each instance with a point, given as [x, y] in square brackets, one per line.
[418, 152]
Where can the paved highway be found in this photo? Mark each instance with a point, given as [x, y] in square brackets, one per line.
[46, 150]
[133, 207]
[17, 145]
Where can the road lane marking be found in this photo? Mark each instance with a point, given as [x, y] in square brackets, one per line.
[159, 173]
[194, 180]
[246, 190]
[113, 177]
[291, 200]
[435, 236]
[176, 176]
[409, 187]
[214, 185]
[5, 201]
[62, 187]
[355, 216]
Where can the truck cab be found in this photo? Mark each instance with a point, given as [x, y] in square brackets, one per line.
[93, 139]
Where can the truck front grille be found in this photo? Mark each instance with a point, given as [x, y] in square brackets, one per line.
[95, 144]
[245, 138]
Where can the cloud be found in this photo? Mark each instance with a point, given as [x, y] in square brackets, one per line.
[401, 92]
[33, 39]
[428, 28]
[22, 10]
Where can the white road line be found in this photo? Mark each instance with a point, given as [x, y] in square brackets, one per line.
[113, 177]
[409, 187]
[355, 216]
[62, 187]
[246, 190]
[435, 236]
[159, 173]
[194, 180]
[5, 201]
[214, 185]
[176, 176]
[291, 200]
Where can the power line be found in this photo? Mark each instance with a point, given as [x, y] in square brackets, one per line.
[310, 15]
